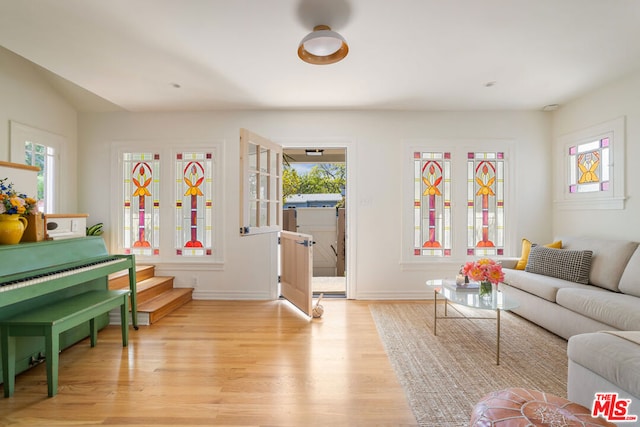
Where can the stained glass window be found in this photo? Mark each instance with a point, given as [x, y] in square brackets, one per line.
[141, 208]
[589, 166]
[432, 204]
[485, 205]
[194, 202]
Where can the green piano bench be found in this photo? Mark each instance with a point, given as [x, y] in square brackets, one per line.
[50, 321]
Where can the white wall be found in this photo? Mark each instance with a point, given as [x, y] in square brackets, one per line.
[620, 98]
[375, 184]
[25, 97]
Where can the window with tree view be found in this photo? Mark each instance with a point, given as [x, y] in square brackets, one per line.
[43, 157]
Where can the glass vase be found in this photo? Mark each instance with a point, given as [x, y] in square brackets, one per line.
[486, 291]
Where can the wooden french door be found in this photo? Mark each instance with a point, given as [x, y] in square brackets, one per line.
[296, 253]
[261, 212]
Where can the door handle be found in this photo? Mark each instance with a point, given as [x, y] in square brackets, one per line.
[305, 243]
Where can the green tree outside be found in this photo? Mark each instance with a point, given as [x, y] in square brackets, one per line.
[322, 178]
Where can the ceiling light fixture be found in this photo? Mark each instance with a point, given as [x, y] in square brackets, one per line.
[323, 46]
[314, 152]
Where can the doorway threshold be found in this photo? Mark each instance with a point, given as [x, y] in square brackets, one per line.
[316, 295]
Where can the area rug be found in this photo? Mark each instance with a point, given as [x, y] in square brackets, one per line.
[444, 376]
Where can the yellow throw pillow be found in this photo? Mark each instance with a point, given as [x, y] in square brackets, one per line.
[526, 248]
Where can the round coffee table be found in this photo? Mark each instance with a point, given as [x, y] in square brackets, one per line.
[469, 297]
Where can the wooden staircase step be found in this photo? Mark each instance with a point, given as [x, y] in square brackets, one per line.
[120, 279]
[156, 296]
[165, 303]
[152, 287]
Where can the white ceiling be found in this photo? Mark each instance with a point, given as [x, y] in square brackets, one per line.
[404, 54]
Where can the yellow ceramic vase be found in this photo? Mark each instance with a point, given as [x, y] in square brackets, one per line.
[12, 227]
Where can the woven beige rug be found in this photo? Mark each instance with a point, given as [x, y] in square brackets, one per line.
[445, 375]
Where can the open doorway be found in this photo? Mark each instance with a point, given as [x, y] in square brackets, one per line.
[314, 190]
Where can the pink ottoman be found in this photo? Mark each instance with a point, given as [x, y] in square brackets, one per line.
[519, 407]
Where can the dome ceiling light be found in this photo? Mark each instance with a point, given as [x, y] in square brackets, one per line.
[323, 46]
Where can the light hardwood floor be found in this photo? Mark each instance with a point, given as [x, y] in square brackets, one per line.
[254, 363]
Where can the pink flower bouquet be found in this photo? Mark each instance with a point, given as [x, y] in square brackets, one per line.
[484, 270]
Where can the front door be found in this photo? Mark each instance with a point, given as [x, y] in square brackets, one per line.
[296, 251]
[261, 212]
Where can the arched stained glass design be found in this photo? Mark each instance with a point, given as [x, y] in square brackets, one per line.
[485, 206]
[141, 208]
[432, 204]
[194, 195]
[589, 166]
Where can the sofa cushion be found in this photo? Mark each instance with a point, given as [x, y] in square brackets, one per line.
[612, 357]
[609, 260]
[564, 264]
[537, 284]
[630, 280]
[526, 249]
[612, 308]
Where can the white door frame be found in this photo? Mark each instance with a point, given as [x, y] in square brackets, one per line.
[351, 190]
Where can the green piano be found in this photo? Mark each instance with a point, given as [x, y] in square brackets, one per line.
[35, 274]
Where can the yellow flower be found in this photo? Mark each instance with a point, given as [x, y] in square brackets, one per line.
[12, 202]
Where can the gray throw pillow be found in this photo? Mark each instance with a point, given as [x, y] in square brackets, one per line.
[573, 266]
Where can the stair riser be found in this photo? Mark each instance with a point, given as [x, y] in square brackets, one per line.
[175, 304]
[122, 281]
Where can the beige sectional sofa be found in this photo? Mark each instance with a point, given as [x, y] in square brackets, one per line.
[580, 309]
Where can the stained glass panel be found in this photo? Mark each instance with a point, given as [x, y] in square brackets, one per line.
[141, 208]
[589, 166]
[194, 202]
[432, 204]
[485, 205]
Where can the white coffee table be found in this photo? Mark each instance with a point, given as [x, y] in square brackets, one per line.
[470, 298]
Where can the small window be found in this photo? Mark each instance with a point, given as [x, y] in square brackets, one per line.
[586, 171]
[39, 148]
[594, 167]
[43, 157]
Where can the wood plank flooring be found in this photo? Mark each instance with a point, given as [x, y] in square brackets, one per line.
[234, 363]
